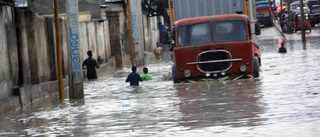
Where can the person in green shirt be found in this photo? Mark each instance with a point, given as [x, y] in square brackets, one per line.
[145, 76]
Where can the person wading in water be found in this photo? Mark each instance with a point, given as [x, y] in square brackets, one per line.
[91, 66]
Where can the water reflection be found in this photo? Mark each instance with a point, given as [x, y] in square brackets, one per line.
[283, 101]
[230, 103]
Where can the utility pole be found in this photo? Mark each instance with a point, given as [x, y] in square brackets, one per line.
[58, 44]
[75, 72]
[130, 32]
[252, 12]
[303, 32]
[289, 16]
[136, 26]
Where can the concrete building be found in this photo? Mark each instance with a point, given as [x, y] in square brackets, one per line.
[28, 54]
[150, 31]
[28, 69]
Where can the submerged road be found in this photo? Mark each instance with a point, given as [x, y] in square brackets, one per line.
[283, 101]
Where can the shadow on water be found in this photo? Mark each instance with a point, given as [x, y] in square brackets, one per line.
[229, 103]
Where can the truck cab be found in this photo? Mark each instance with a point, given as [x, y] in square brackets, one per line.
[214, 47]
[264, 14]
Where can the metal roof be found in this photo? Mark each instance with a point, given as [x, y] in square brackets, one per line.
[21, 3]
[113, 0]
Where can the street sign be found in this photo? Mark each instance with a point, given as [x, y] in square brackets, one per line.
[171, 11]
[247, 7]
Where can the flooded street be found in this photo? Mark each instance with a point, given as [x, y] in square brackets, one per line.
[283, 101]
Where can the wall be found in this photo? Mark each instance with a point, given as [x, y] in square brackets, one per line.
[151, 32]
[28, 52]
[4, 68]
[115, 14]
[9, 70]
[115, 39]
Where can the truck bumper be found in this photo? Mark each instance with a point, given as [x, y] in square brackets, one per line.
[224, 78]
[266, 21]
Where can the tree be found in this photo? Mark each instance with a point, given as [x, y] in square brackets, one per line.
[156, 8]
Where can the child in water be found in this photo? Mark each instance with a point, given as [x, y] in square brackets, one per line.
[145, 76]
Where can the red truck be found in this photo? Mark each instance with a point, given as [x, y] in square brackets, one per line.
[264, 14]
[214, 47]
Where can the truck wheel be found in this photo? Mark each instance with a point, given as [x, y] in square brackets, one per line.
[295, 30]
[174, 74]
[310, 30]
[256, 67]
[313, 25]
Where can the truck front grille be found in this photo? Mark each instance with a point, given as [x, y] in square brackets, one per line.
[209, 56]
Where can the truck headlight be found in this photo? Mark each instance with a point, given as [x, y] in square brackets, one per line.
[208, 74]
[243, 68]
[223, 73]
[187, 73]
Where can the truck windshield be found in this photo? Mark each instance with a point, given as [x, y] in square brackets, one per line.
[194, 34]
[262, 4]
[226, 31]
[315, 9]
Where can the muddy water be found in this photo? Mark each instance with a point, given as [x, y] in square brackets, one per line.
[283, 101]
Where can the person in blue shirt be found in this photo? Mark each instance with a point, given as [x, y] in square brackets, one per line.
[161, 31]
[133, 77]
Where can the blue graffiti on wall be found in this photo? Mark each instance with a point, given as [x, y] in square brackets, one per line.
[135, 28]
[75, 53]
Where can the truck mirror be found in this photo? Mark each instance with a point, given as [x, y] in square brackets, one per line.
[257, 28]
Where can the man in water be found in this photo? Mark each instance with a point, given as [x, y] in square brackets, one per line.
[133, 77]
[158, 51]
[91, 66]
[282, 49]
[145, 76]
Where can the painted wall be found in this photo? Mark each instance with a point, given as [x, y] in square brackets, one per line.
[28, 53]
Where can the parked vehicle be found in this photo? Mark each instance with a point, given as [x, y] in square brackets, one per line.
[314, 15]
[296, 5]
[264, 15]
[214, 47]
[310, 3]
[297, 22]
